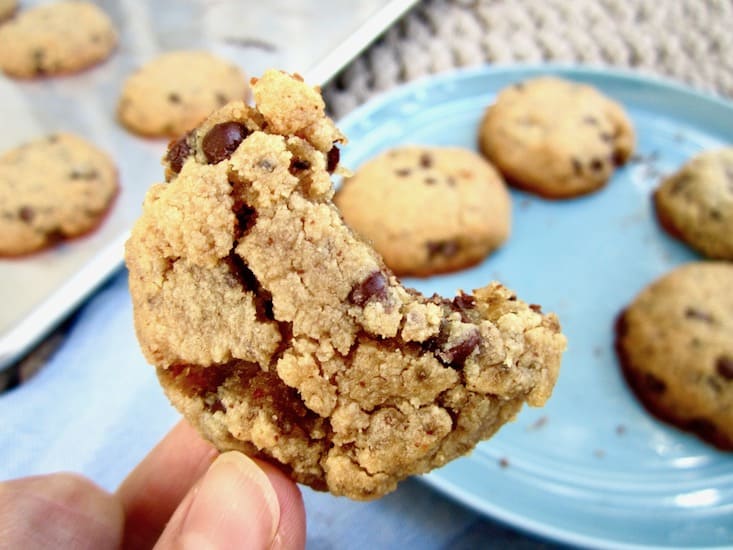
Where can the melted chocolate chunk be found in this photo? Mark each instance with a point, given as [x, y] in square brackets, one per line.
[246, 218]
[222, 140]
[458, 354]
[724, 367]
[178, 152]
[262, 297]
[426, 160]
[332, 159]
[374, 286]
[596, 165]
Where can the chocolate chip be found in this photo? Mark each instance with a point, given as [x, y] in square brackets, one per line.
[173, 97]
[178, 152]
[715, 214]
[694, 313]
[374, 286]
[606, 137]
[446, 249]
[298, 165]
[262, 297]
[403, 172]
[590, 120]
[464, 301]
[430, 181]
[457, 355]
[596, 165]
[536, 308]
[426, 160]
[88, 174]
[222, 140]
[26, 213]
[38, 56]
[724, 367]
[654, 384]
[332, 159]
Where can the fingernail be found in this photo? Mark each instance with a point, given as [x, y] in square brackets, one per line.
[235, 506]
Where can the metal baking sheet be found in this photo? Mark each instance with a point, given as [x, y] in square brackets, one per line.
[313, 37]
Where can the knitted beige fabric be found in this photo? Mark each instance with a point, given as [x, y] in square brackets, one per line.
[687, 40]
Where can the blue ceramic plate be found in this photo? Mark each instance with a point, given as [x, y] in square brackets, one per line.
[591, 468]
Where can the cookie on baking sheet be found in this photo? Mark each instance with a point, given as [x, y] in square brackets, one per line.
[695, 204]
[556, 138]
[57, 38]
[7, 8]
[172, 93]
[675, 344]
[278, 332]
[52, 189]
[427, 210]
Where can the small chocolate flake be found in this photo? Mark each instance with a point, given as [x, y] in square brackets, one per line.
[446, 249]
[536, 308]
[724, 367]
[699, 315]
[590, 120]
[430, 181]
[402, 172]
[298, 165]
[178, 152]
[173, 97]
[596, 165]
[577, 166]
[374, 286]
[426, 160]
[606, 137]
[26, 213]
[222, 140]
[654, 384]
[332, 159]
[221, 99]
[88, 174]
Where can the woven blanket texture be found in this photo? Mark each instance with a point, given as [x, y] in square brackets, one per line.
[689, 41]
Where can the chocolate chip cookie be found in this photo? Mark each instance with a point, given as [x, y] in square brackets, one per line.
[695, 204]
[675, 344]
[280, 333]
[52, 189]
[556, 138]
[427, 210]
[174, 92]
[57, 38]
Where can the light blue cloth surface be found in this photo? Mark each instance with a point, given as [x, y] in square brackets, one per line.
[96, 408]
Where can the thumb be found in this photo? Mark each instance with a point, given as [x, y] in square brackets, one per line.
[234, 505]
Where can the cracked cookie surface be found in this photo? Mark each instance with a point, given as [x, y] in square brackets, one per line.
[280, 333]
[695, 204]
[427, 210]
[52, 189]
[675, 347]
[556, 138]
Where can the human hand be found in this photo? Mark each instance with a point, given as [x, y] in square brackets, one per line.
[184, 494]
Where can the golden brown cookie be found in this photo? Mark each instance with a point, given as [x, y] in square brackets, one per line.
[556, 138]
[52, 189]
[427, 210]
[57, 38]
[172, 93]
[695, 204]
[278, 332]
[675, 344]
